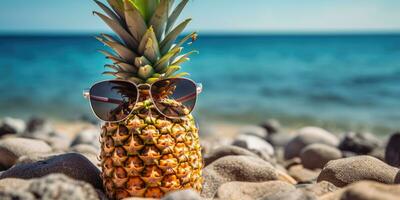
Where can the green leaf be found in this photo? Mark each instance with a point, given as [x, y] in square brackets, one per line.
[116, 68]
[159, 19]
[175, 14]
[134, 21]
[119, 30]
[108, 11]
[127, 67]
[152, 80]
[125, 53]
[182, 74]
[171, 70]
[146, 7]
[183, 58]
[171, 37]
[145, 71]
[141, 61]
[164, 61]
[117, 6]
[149, 46]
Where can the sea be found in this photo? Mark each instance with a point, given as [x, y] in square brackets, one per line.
[343, 82]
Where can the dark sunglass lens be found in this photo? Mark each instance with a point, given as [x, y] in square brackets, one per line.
[174, 97]
[113, 100]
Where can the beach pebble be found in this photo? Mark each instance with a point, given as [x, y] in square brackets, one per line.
[10, 125]
[31, 158]
[320, 189]
[360, 143]
[293, 195]
[89, 151]
[365, 190]
[182, 195]
[392, 153]
[72, 164]
[345, 171]
[379, 153]
[280, 139]
[307, 136]
[317, 155]
[271, 126]
[254, 131]
[88, 136]
[38, 125]
[255, 144]
[13, 183]
[237, 168]
[248, 191]
[303, 175]
[12, 148]
[14, 194]
[54, 186]
[348, 154]
[226, 151]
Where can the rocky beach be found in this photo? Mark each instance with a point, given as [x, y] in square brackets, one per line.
[44, 159]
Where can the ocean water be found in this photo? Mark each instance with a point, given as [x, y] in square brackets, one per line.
[348, 82]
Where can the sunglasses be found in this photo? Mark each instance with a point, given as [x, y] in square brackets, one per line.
[115, 100]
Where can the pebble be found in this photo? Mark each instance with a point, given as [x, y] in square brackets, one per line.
[238, 168]
[54, 186]
[13, 183]
[89, 151]
[307, 136]
[294, 195]
[320, 189]
[38, 125]
[365, 190]
[248, 191]
[10, 125]
[254, 131]
[255, 144]
[271, 125]
[303, 175]
[315, 156]
[345, 171]
[280, 139]
[392, 152]
[182, 195]
[12, 148]
[360, 143]
[88, 136]
[72, 164]
[226, 151]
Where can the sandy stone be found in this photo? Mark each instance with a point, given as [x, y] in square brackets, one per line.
[307, 136]
[320, 189]
[302, 175]
[247, 190]
[226, 151]
[12, 148]
[183, 195]
[236, 168]
[392, 153]
[345, 171]
[365, 190]
[315, 156]
[72, 164]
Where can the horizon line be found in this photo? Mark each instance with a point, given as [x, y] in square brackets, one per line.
[207, 33]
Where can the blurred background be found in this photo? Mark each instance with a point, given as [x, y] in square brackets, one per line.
[334, 64]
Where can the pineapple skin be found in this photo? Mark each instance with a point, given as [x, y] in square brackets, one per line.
[149, 155]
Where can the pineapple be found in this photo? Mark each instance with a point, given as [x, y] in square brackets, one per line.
[147, 155]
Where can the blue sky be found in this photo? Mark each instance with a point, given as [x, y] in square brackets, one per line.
[216, 16]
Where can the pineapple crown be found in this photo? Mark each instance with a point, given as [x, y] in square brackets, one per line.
[145, 50]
